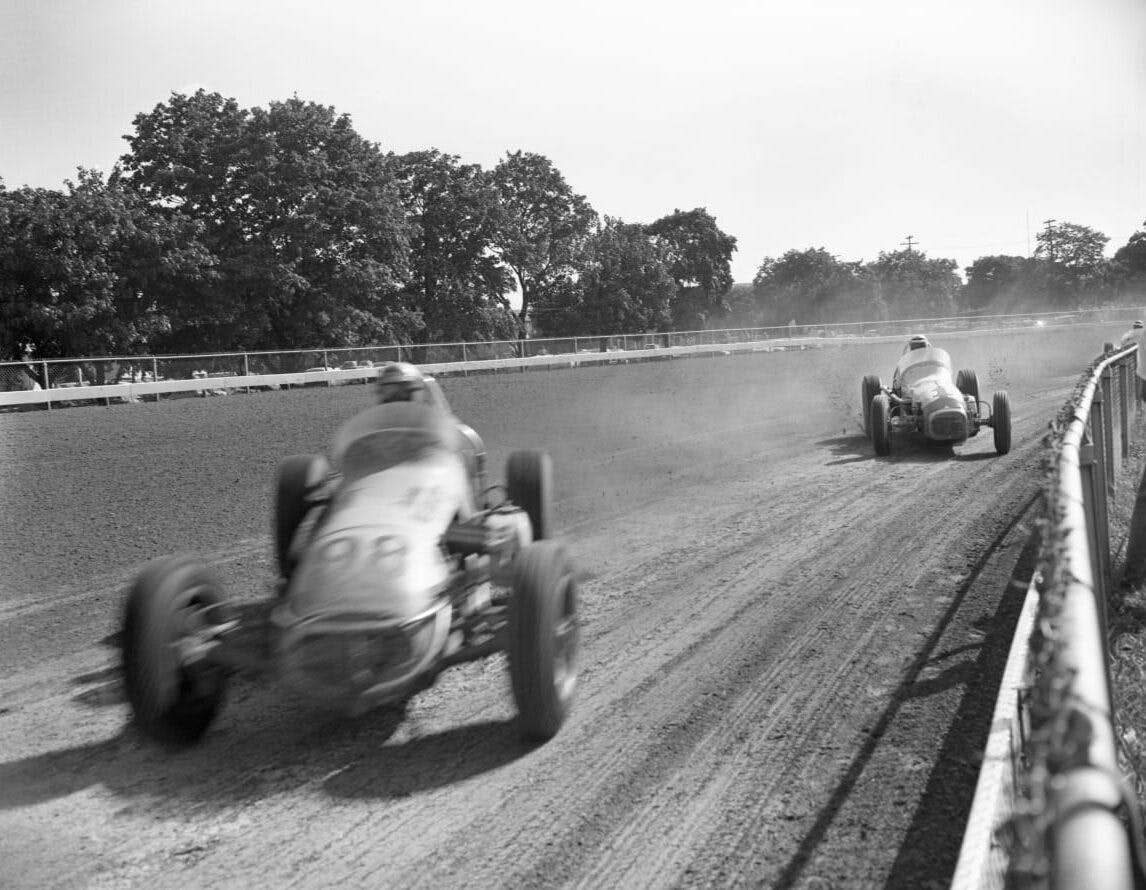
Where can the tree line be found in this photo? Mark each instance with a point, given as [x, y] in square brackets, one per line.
[224, 228]
[1068, 270]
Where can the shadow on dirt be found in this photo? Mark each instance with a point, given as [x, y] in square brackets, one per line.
[976, 456]
[946, 801]
[852, 449]
[947, 798]
[857, 448]
[430, 761]
[262, 744]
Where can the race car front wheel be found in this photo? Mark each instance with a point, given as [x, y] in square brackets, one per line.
[544, 638]
[529, 485]
[298, 476]
[869, 389]
[881, 424]
[967, 382]
[174, 692]
[1001, 422]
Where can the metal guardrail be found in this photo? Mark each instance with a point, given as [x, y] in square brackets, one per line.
[1050, 803]
[1088, 845]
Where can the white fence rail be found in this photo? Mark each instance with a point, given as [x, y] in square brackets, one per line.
[288, 365]
[1050, 804]
[223, 383]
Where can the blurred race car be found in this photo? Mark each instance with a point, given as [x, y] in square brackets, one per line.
[925, 397]
[395, 561]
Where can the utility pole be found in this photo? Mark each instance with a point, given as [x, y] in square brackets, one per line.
[910, 240]
[1049, 239]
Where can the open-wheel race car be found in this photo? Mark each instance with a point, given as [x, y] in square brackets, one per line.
[395, 561]
[925, 397]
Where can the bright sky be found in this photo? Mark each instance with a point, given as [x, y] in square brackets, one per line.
[844, 124]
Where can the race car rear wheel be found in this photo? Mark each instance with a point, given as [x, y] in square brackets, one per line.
[529, 485]
[174, 692]
[298, 476]
[543, 638]
[968, 383]
[1001, 421]
[881, 424]
[869, 389]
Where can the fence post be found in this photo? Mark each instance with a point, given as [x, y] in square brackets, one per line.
[325, 360]
[1108, 430]
[575, 350]
[47, 383]
[1124, 407]
[1097, 524]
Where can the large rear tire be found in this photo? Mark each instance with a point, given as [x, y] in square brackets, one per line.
[871, 387]
[298, 476]
[1001, 422]
[543, 638]
[172, 700]
[529, 485]
[881, 424]
[968, 383]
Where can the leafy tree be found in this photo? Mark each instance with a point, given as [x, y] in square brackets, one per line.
[623, 287]
[999, 283]
[1073, 268]
[544, 224]
[810, 286]
[90, 271]
[906, 284]
[700, 261]
[1072, 246]
[743, 310]
[1130, 265]
[456, 281]
[301, 213]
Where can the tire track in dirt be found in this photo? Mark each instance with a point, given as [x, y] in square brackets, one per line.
[716, 761]
[663, 681]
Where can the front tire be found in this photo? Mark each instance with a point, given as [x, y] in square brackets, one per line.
[543, 638]
[871, 387]
[881, 424]
[529, 485]
[172, 701]
[1001, 422]
[967, 382]
[298, 476]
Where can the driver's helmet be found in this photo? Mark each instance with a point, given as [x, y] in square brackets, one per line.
[918, 342]
[399, 382]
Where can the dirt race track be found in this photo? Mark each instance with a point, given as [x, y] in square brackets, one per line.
[790, 648]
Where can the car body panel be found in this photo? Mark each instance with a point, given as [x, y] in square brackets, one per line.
[367, 611]
[923, 378]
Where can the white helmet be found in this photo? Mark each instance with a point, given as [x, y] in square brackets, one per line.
[398, 382]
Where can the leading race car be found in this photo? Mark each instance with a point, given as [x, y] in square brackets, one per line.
[393, 565]
[924, 397]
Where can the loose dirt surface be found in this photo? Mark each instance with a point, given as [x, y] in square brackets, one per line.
[790, 648]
